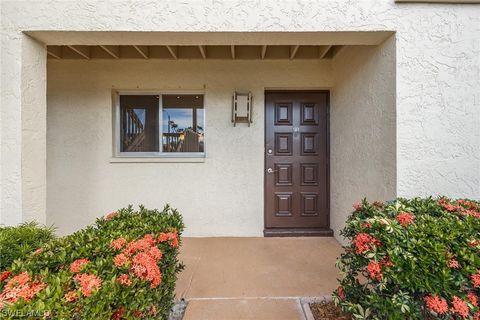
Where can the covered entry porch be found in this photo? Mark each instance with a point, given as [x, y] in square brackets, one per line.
[219, 189]
[256, 278]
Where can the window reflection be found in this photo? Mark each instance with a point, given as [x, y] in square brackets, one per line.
[139, 123]
[183, 123]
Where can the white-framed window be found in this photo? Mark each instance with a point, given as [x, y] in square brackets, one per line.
[159, 124]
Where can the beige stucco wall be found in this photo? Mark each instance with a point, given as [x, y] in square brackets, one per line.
[363, 129]
[34, 137]
[221, 196]
[23, 129]
[437, 75]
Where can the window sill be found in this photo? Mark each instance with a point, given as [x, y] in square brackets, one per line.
[197, 159]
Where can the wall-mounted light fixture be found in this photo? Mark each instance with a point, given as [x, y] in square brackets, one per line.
[242, 108]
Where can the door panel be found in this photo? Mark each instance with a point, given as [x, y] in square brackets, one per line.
[296, 161]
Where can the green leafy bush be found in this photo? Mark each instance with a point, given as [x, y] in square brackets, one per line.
[17, 242]
[412, 259]
[122, 267]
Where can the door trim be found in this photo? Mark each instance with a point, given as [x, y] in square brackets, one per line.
[296, 232]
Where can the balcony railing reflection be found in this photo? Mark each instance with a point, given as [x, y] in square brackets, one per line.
[188, 141]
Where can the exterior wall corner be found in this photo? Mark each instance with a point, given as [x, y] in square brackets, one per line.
[23, 129]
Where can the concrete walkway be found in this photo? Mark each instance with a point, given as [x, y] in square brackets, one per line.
[255, 278]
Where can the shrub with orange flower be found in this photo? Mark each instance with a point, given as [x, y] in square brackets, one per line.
[357, 206]
[415, 247]
[120, 260]
[97, 273]
[472, 297]
[153, 311]
[155, 253]
[77, 265]
[169, 236]
[5, 275]
[459, 307]
[365, 242]
[88, 283]
[447, 206]
[473, 243]
[138, 314]
[162, 237]
[461, 207]
[20, 286]
[386, 262]
[405, 218]
[174, 243]
[125, 280]
[139, 245]
[71, 296]
[145, 267]
[437, 304]
[476, 279]
[454, 264]
[468, 204]
[118, 243]
[365, 225]
[143, 255]
[375, 270]
[118, 314]
[110, 216]
[341, 293]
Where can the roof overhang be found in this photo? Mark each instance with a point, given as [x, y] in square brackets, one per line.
[209, 38]
[202, 45]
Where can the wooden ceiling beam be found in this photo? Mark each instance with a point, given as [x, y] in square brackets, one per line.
[143, 50]
[293, 51]
[322, 51]
[173, 51]
[336, 50]
[264, 51]
[83, 51]
[203, 51]
[113, 51]
[55, 51]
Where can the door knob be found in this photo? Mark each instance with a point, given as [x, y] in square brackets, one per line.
[270, 170]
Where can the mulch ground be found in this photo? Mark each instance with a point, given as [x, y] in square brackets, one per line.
[328, 311]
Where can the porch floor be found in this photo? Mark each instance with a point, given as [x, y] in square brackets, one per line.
[255, 278]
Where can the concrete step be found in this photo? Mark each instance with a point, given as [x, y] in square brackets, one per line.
[244, 309]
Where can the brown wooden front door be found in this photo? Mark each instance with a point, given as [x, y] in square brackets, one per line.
[296, 164]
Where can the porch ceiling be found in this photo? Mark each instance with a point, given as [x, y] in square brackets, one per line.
[201, 45]
[193, 52]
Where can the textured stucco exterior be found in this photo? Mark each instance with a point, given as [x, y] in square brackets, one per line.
[362, 124]
[34, 125]
[437, 92]
[221, 195]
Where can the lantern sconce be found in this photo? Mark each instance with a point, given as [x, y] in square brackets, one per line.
[242, 108]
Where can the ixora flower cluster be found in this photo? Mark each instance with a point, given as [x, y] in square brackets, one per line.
[20, 286]
[141, 257]
[123, 267]
[412, 259]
